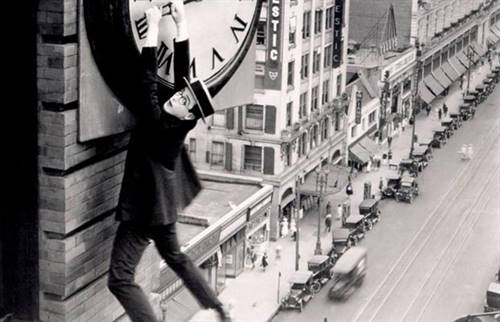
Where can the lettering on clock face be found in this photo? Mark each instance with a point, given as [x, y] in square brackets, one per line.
[218, 30]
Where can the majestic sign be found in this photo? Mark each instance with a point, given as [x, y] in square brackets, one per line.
[359, 103]
[272, 78]
[338, 25]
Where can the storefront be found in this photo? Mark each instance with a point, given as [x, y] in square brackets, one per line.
[233, 254]
[258, 224]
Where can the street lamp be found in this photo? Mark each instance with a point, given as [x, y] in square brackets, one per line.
[321, 185]
[415, 97]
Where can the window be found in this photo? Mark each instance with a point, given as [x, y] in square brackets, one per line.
[289, 108]
[261, 33]
[313, 138]
[328, 56]
[253, 158]
[436, 62]
[353, 131]
[219, 118]
[254, 117]
[326, 92]
[314, 98]
[192, 149]
[303, 105]
[339, 84]
[329, 18]
[444, 55]
[217, 156]
[316, 61]
[318, 21]
[325, 129]
[371, 117]
[407, 85]
[304, 66]
[292, 30]
[291, 67]
[306, 25]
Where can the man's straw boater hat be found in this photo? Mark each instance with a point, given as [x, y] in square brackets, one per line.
[204, 105]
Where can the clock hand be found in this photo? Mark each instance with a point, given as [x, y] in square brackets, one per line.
[167, 9]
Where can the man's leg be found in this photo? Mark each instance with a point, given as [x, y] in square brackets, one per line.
[165, 238]
[129, 245]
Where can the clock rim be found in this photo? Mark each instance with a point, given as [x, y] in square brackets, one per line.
[108, 27]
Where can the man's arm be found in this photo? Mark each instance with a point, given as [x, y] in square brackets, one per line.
[150, 65]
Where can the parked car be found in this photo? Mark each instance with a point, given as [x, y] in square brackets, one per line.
[342, 240]
[369, 209]
[492, 300]
[408, 165]
[420, 156]
[320, 265]
[356, 225]
[408, 189]
[393, 184]
[480, 317]
[302, 288]
[440, 137]
[348, 273]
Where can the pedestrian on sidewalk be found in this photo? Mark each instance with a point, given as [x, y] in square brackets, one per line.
[328, 222]
[440, 114]
[328, 207]
[253, 258]
[445, 109]
[278, 252]
[293, 230]
[381, 184]
[389, 141]
[265, 262]
[284, 227]
[339, 211]
[428, 109]
[462, 80]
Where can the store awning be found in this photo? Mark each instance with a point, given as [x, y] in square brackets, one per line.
[450, 71]
[433, 84]
[369, 145]
[359, 153]
[463, 59]
[440, 76]
[494, 35]
[457, 65]
[495, 30]
[478, 49]
[425, 94]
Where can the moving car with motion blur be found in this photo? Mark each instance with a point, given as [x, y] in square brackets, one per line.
[348, 273]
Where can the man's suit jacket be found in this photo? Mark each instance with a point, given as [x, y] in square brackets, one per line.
[159, 178]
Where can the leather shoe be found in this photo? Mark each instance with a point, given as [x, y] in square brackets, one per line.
[224, 315]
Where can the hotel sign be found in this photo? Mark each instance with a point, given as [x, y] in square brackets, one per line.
[338, 25]
[272, 77]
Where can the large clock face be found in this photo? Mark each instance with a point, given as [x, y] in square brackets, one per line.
[220, 33]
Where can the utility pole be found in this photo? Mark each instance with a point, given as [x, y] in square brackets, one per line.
[415, 97]
[297, 221]
[469, 58]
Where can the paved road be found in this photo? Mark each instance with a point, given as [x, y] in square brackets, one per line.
[432, 260]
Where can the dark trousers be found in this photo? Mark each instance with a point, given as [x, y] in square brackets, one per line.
[130, 242]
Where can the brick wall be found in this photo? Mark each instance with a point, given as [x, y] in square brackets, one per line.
[79, 185]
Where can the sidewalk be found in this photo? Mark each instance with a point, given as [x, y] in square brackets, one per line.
[254, 295]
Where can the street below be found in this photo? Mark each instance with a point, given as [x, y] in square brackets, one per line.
[432, 260]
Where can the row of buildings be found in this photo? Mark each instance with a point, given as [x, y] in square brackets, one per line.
[342, 79]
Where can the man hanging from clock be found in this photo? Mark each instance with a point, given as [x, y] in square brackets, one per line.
[159, 178]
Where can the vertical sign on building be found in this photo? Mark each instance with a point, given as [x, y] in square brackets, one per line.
[338, 24]
[272, 78]
[359, 102]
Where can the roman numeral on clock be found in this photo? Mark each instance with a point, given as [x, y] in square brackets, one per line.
[216, 55]
[142, 27]
[164, 57]
[192, 67]
[239, 27]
